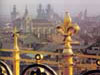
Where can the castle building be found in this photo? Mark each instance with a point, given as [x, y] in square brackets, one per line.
[41, 26]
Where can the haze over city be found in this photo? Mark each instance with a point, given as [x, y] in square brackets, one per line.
[31, 28]
[60, 6]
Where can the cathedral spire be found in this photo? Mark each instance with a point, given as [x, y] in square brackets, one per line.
[85, 14]
[26, 12]
[40, 11]
[14, 13]
[14, 8]
[49, 11]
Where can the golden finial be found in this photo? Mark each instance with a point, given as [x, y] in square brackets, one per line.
[67, 19]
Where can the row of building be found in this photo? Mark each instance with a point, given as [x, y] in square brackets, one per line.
[44, 23]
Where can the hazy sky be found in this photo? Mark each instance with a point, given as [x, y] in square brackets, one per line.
[60, 6]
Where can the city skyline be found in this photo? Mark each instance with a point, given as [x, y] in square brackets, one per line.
[60, 6]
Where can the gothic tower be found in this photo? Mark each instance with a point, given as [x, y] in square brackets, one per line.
[26, 12]
[80, 15]
[39, 11]
[85, 14]
[25, 16]
[14, 13]
[49, 11]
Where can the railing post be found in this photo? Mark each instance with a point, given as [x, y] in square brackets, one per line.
[16, 55]
[67, 30]
[69, 53]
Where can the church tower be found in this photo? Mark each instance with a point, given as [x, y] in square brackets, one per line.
[27, 21]
[85, 14]
[25, 16]
[14, 13]
[80, 15]
[39, 11]
[26, 12]
[49, 11]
